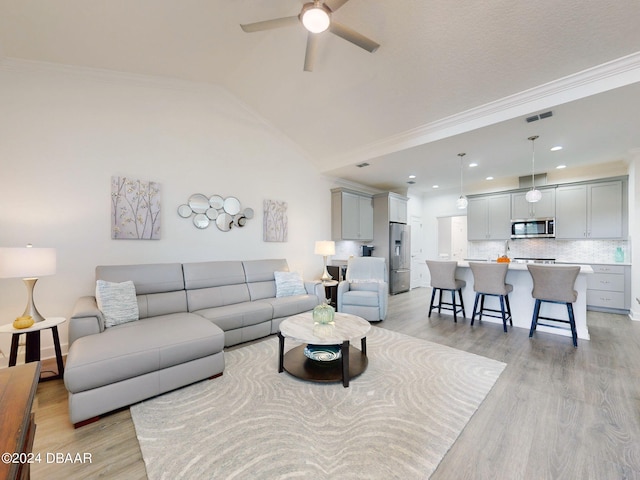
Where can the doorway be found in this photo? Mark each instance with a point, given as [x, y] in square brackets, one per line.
[418, 257]
[452, 238]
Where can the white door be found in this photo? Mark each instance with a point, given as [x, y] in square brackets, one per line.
[418, 258]
[458, 238]
[452, 238]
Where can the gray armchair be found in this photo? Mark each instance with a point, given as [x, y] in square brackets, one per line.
[365, 290]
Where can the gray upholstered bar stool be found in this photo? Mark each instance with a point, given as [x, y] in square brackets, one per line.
[489, 279]
[554, 284]
[443, 277]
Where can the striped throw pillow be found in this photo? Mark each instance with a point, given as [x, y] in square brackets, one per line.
[289, 283]
[117, 302]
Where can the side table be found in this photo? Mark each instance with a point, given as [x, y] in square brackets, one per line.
[32, 346]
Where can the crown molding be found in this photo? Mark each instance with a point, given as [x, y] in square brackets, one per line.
[607, 76]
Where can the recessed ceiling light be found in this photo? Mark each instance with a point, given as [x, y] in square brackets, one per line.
[435, 186]
[412, 176]
[560, 167]
[489, 178]
[556, 148]
[473, 164]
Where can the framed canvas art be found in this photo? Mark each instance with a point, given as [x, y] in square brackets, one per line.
[135, 209]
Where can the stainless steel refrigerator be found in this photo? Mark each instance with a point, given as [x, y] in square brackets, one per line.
[399, 257]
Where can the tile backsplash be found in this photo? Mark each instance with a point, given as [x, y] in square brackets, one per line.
[578, 251]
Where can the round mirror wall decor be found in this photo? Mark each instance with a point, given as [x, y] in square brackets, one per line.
[184, 211]
[225, 213]
[200, 220]
[216, 201]
[198, 203]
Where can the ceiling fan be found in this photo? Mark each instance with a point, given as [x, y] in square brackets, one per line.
[316, 18]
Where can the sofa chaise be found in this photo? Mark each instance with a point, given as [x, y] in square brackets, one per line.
[186, 315]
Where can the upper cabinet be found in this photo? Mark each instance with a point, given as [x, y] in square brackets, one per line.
[545, 208]
[351, 215]
[391, 207]
[593, 210]
[489, 217]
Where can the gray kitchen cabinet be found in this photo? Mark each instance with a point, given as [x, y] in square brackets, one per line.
[397, 208]
[545, 208]
[489, 217]
[351, 215]
[609, 288]
[593, 210]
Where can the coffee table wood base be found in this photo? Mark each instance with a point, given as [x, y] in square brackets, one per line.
[297, 364]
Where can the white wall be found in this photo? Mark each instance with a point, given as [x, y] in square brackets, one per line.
[65, 131]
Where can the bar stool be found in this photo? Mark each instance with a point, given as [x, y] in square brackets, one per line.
[554, 284]
[489, 279]
[443, 277]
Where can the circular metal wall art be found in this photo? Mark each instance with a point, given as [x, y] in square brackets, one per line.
[225, 213]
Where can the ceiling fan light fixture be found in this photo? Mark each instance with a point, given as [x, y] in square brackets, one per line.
[315, 17]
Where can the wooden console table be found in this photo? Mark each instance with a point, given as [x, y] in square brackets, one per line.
[17, 427]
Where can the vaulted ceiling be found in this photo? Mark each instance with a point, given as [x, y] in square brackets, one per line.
[444, 69]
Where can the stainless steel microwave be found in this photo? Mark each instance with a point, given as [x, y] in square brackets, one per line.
[533, 228]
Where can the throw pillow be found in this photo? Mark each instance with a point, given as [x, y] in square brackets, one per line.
[289, 283]
[117, 302]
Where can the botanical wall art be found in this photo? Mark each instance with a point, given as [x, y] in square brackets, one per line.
[225, 212]
[135, 209]
[276, 223]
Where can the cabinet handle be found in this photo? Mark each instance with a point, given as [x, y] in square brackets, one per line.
[605, 282]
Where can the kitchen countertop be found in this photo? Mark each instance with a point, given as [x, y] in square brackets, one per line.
[523, 266]
[564, 262]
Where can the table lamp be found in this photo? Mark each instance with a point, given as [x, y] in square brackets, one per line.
[28, 263]
[325, 248]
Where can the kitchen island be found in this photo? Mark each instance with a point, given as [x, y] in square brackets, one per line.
[522, 302]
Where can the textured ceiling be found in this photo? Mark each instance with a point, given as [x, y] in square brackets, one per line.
[436, 59]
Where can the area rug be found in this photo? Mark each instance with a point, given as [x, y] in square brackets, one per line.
[396, 420]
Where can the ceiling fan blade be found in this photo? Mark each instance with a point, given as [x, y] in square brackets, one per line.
[335, 4]
[270, 24]
[352, 36]
[310, 54]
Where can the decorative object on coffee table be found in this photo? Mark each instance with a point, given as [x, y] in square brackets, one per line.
[323, 314]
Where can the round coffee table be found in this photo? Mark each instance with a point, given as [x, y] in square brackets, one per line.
[351, 361]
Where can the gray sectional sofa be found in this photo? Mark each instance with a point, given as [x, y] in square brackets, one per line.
[188, 313]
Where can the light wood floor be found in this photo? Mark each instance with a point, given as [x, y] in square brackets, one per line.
[555, 413]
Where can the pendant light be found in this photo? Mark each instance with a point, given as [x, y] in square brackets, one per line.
[533, 195]
[462, 200]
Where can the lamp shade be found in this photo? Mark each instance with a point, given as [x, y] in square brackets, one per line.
[325, 247]
[27, 262]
